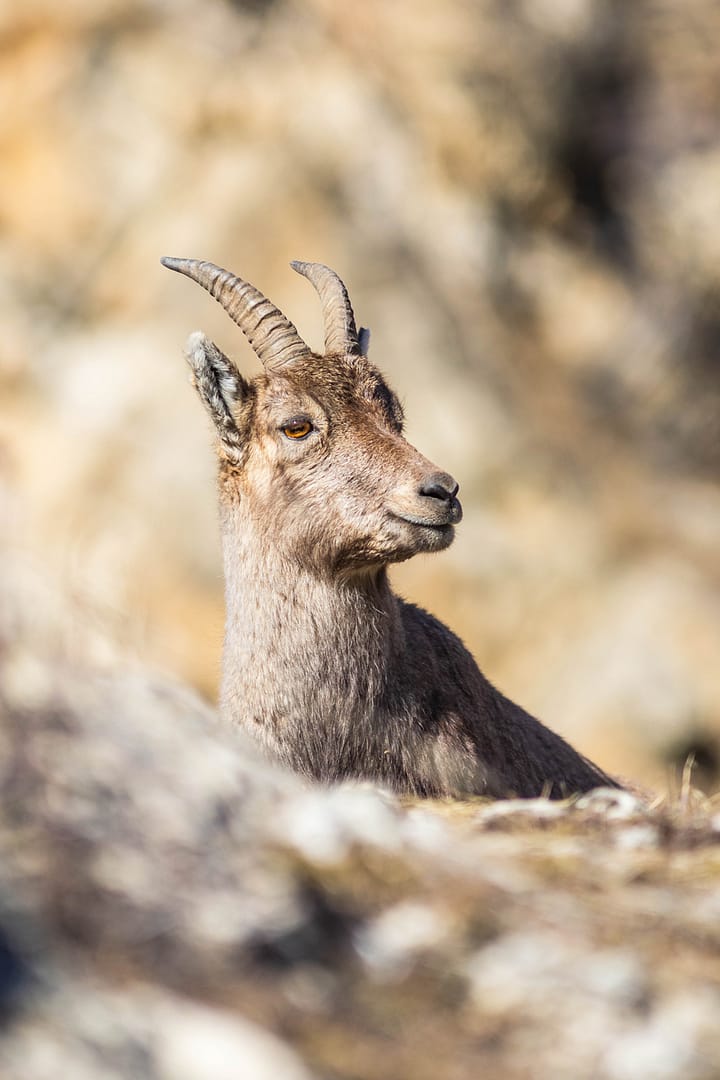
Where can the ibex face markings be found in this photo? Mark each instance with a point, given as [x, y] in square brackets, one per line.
[319, 492]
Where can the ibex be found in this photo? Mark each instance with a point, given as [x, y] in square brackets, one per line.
[319, 492]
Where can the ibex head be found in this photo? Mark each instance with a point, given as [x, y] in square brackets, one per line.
[313, 446]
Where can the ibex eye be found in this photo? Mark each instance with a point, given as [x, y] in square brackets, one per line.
[297, 429]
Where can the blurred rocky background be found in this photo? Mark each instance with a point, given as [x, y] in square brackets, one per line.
[524, 200]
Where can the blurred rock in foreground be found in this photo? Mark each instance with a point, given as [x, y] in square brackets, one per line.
[173, 908]
[523, 199]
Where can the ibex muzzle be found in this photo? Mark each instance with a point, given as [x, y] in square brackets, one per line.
[435, 502]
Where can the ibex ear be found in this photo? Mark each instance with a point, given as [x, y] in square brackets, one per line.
[222, 390]
[364, 340]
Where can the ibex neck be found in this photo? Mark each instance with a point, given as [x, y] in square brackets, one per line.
[301, 649]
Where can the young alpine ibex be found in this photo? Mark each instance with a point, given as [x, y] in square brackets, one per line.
[319, 492]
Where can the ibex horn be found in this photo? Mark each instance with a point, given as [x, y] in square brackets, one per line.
[341, 335]
[272, 336]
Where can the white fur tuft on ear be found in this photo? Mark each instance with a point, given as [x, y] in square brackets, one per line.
[195, 349]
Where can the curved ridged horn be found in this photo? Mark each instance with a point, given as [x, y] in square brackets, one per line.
[272, 336]
[340, 332]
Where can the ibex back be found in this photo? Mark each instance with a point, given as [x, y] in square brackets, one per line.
[319, 492]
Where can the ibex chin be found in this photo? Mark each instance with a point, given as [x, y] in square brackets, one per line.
[319, 492]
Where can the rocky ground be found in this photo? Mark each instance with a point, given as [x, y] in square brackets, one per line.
[172, 907]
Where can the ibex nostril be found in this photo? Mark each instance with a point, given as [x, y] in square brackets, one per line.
[439, 486]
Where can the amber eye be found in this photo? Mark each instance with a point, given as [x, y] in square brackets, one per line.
[297, 429]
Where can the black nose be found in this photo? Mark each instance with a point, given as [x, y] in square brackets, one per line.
[439, 486]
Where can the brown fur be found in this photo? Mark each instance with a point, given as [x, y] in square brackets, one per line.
[331, 671]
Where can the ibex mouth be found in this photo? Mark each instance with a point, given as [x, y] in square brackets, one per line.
[452, 515]
[424, 533]
[424, 523]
